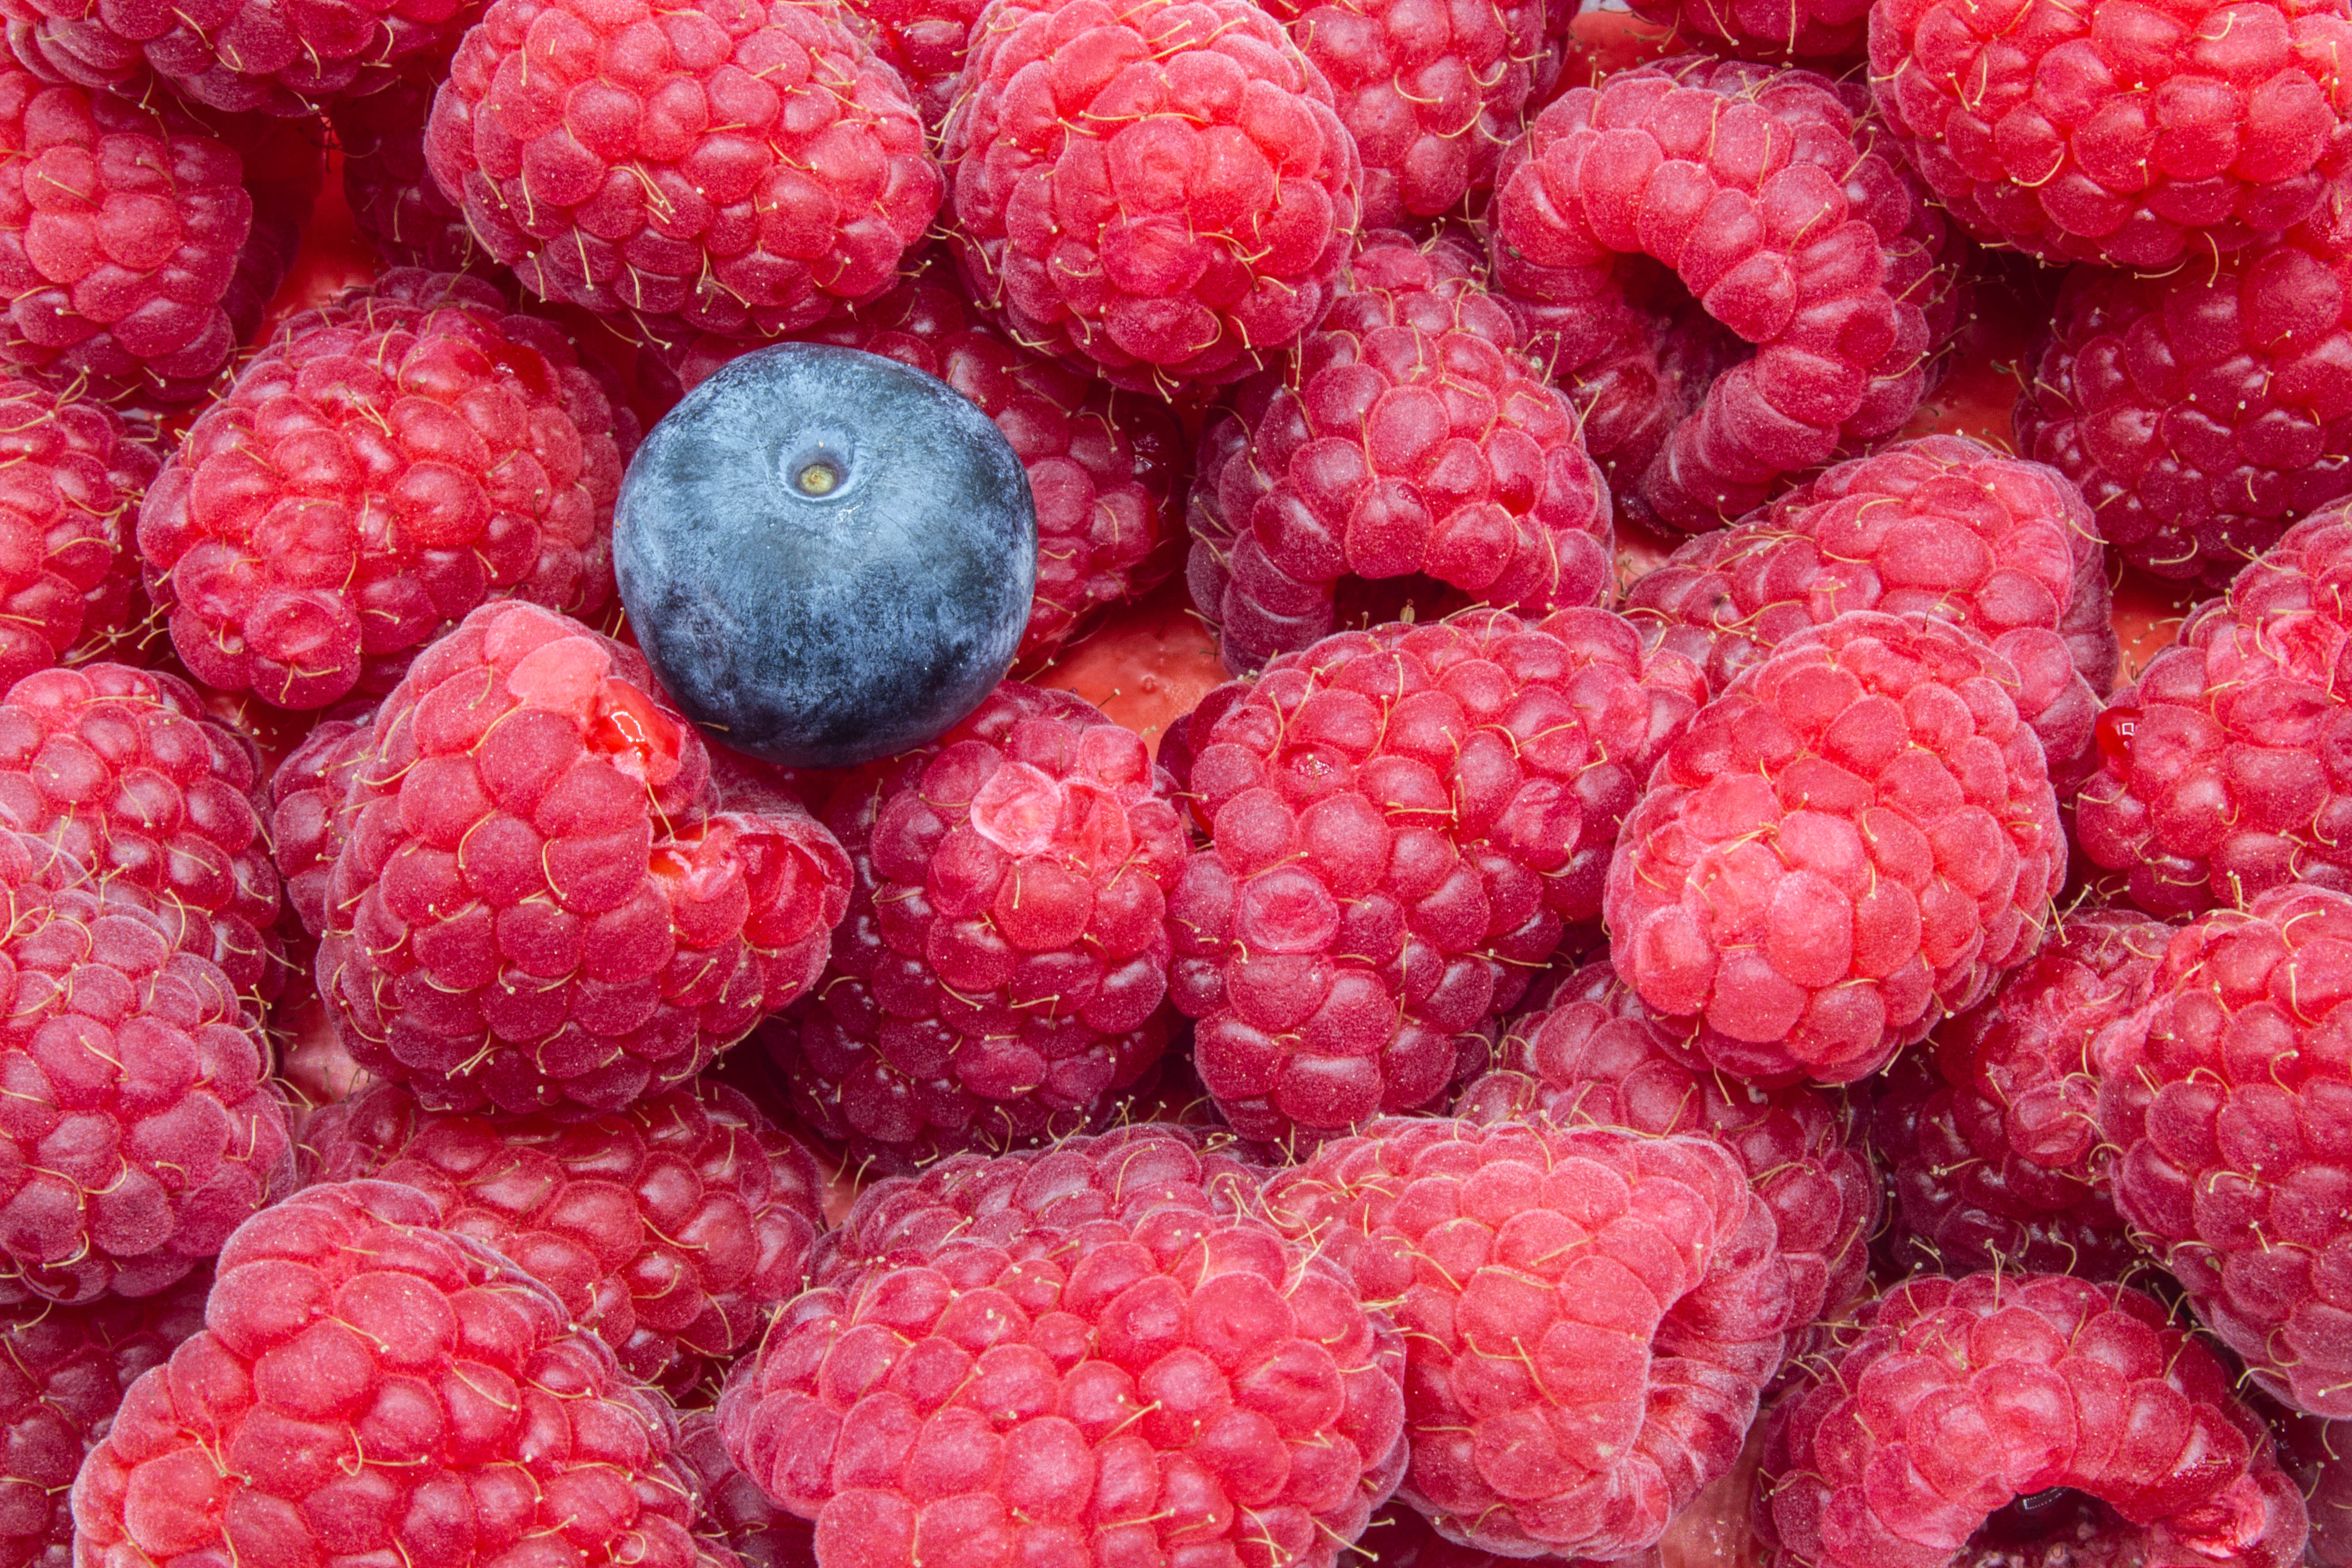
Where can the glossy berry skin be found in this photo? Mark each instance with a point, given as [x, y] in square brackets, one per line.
[1857, 838]
[736, 1524]
[1953, 1396]
[1162, 191]
[1408, 435]
[1590, 1316]
[731, 167]
[390, 461]
[667, 1229]
[2224, 1102]
[367, 1382]
[69, 574]
[2203, 411]
[541, 894]
[1402, 822]
[396, 205]
[2115, 133]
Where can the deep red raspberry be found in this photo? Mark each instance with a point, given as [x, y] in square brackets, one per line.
[370, 1384]
[1857, 838]
[667, 1229]
[736, 1525]
[730, 166]
[542, 894]
[2227, 1101]
[1952, 1397]
[925, 41]
[1763, 196]
[68, 576]
[2200, 411]
[396, 205]
[2118, 132]
[1594, 1057]
[2318, 1454]
[1408, 435]
[1162, 189]
[306, 793]
[1074, 1358]
[1400, 1537]
[1831, 33]
[1590, 1316]
[1402, 823]
[390, 461]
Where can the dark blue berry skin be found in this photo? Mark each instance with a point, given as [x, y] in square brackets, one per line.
[827, 555]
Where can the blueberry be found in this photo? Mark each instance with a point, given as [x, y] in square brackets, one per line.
[827, 555]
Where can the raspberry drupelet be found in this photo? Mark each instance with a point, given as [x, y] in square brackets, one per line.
[1162, 190]
[1952, 1397]
[396, 205]
[737, 1525]
[68, 574]
[2316, 1453]
[388, 462]
[1407, 436]
[926, 42]
[1829, 34]
[998, 980]
[542, 893]
[1402, 822]
[734, 166]
[369, 1383]
[667, 1229]
[1856, 838]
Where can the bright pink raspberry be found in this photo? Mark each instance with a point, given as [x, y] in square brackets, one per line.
[1402, 823]
[1763, 198]
[1407, 436]
[730, 166]
[388, 461]
[667, 1229]
[1954, 1396]
[68, 575]
[2228, 1104]
[368, 1384]
[395, 204]
[1590, 1315]
[1161, 189]
[1065, 1359]
[999, 978]
[1856, 838]
[541, 892]
[736, 1525]
[2119, 131]
[1828, 33]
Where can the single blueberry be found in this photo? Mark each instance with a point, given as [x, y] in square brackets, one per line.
[827, 555]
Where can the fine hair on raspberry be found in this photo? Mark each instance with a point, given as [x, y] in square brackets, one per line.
[69, 573]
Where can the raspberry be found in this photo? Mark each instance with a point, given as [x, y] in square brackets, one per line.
[404, 215]
[1829, 32]
[68, 574]
[2229, 1109]
[2115, 132]
[1952, 1397]
[306, 793]
[925, 41]
[1086, 1356]
[730, 166]
[1402, 824]
[1400, 1537]
[1590, 1315]
[999, 978]
[1162, 189]
[1594, 1057]
[369, 1385]
[1761, 194]
[1407, 436]
[387, 463]
[665, 1228]
[2227, 766]
[136, 1125]
[2203, 411]
[735, 1525]
[542, 894]
[1858, 837]
[2317, 1453]
[1992, 1135]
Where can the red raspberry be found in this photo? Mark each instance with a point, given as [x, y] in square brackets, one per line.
[1831, 33]
[1762, 195]
[68, 575]
[2202, 411]
[1162, 189]
[665, 1228]
[1590, 1316]
[1402, 823]
[387, 463]
[2318, 1454]
[926, 42]
[1954, 1396]
[2229, 1104]
[1400, 1537]
[1594, 1057]
[395, 204]
[999, 977]
[2116, 132]
[735, 1524]
[730, 166]
[1857, 838]
[305, 794]
[2227, 765]
[1407, 436]
[540, 893]
[368, 1384]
